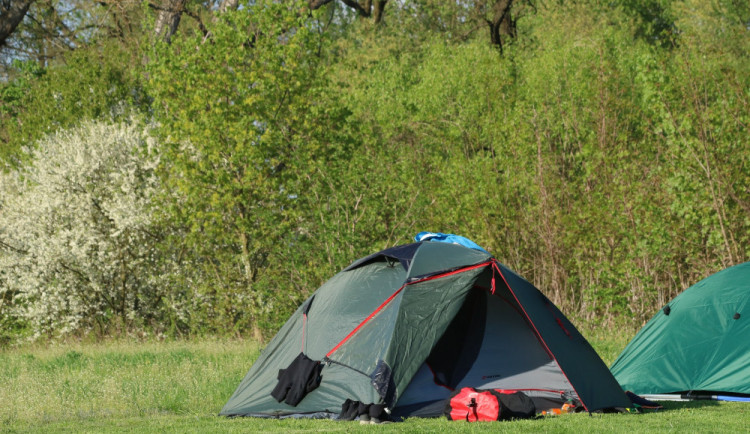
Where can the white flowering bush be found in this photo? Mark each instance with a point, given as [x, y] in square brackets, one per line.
[77, 250]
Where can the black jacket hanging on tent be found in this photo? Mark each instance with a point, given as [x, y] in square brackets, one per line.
[301, 377]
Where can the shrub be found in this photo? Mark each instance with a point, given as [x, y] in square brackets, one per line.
[76, 250]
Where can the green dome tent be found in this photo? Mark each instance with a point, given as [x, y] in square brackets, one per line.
[402, 328]
[699, 343]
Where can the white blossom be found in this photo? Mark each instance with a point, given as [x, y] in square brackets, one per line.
[74, 228]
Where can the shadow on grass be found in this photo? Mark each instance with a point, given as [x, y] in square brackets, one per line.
[681, 405]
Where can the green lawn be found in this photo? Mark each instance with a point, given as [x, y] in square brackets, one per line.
[181, 386]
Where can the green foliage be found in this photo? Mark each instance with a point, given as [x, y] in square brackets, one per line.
[653, 20]
[236, 114]
[704, 118]
[12, 93]
[603, 155]
[96, 83]
[12, 99]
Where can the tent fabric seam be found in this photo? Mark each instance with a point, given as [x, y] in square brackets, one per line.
[392, 296]
[375, 312]
[536, 330]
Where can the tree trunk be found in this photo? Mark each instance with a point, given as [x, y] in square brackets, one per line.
[501, 24]
[247, 264]
[378, 12]
[11, 15]
[168, 19]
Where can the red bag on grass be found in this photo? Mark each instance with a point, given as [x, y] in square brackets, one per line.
[474, 405]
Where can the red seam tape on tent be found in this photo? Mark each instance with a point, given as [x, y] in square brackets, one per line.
[541, 339]
[366, 320]
[434, 379]
[385, 303]
[560, 323]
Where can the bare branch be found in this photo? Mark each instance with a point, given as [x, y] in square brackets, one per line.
[7, 246]
[197, 18]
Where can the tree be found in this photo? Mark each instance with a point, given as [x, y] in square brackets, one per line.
[169, 15]
[47, 30]
[96, 82]
[235, 113]
[499, 20]
[51, 28]
[498, 16]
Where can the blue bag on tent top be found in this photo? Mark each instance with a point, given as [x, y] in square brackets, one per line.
[449, 238]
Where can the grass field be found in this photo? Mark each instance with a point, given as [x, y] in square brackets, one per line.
[180, 386]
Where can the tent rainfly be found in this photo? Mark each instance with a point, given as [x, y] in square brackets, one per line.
[397, 331]
[695, 346]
